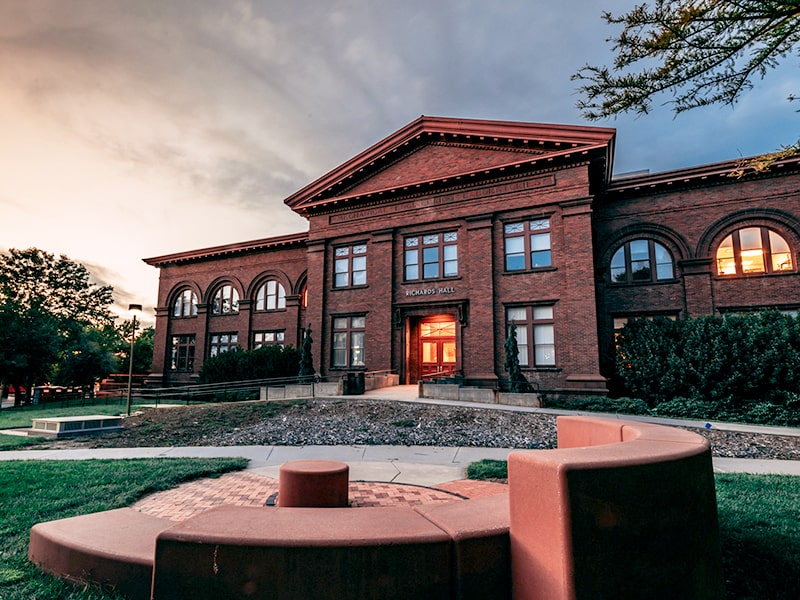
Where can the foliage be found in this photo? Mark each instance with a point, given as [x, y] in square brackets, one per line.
[35, 491]
[87, 357]
[601, 404]
[702, 53]
[734, 363]
[517, 380]
[46, 303]
[263, 363]
[306, 356]
[488, 469]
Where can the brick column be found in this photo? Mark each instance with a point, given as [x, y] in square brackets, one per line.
[478, 352]
[697, 286]
[317, 285]
[576, 317]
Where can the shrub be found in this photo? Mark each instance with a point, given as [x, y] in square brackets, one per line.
[488, 469]
[627, 406]
[686, 408]
[264, 363]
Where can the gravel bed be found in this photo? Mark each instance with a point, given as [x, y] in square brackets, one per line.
[372, 422]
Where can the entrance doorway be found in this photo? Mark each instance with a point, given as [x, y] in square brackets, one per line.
[437, 345]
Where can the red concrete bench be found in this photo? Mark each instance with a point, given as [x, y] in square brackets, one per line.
[621, 509]
[113, 549]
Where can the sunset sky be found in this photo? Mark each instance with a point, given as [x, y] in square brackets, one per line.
[135, 128]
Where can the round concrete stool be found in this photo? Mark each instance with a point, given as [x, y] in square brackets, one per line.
[313, 483]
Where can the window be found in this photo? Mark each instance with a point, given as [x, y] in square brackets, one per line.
[225, 301]
[527, 245]
[182, 352]
[753, 250]
[271, 296]
[641, 261]
[268, 338]
[431, 256]
[535, 335]
[222, 342]
[348, 341]
[185, 304]
[350, 266]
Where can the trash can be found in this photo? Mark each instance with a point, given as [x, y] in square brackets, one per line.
[354, 384]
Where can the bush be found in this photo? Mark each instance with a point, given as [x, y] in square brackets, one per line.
[686, 408]
[627, 406]
[731, 362]
[488, 469]
[264, 363]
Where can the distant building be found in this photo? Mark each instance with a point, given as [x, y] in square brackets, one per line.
[423, 248]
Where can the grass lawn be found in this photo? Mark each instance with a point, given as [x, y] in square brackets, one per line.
[13, 418]
[17, 442]
[35, 491]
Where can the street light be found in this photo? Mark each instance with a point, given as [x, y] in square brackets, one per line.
[134, 309]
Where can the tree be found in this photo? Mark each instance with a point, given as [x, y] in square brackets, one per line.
[306, 357]
[701, 51]
[87, 358]
[45, 305]
[516, 379]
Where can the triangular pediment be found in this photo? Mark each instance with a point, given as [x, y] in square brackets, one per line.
[439, 160]
[436, 152]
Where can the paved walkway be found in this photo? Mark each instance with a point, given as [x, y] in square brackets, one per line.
[379, 475]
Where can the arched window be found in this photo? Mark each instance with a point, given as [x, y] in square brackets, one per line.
[185, 304]
[753, 250]
[641, 261]
[271, 296]
[225, 301]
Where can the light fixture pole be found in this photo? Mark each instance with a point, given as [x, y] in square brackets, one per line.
[134, 309]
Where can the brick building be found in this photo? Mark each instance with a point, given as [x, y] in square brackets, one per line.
[423, 248]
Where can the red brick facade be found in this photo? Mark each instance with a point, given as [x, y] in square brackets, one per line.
[423, 247]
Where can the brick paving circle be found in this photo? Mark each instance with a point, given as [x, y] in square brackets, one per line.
[249, 489]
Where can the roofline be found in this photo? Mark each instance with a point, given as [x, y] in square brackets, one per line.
[511, 130]
[719, 171]
[237, 248]
[415, 186]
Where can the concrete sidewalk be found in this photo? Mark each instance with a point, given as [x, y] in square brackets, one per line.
[419, 465]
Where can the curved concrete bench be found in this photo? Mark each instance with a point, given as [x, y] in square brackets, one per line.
[457, 550]
[113, 549]
[620, 509]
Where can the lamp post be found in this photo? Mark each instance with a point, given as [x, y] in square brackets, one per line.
[134, 309]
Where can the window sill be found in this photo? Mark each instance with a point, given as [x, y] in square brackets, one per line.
[753, 275]
[620, 284]
[529, 271]
[350, 287]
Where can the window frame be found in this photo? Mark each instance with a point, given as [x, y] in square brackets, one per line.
[279, 338]
[185, 304]
[419, 248]
[264, 296]
[176, 342]
[766, 234]
[348, 336]
[652, 262]
[220, 297]
[217, 347]
[350, 263]
[538, 325]
[530, 229]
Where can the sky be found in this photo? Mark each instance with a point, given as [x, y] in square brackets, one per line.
[135, 128]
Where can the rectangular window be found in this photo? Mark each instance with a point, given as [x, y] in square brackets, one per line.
[268, 338]
[182, 352]
[348, 341]
[350, 266]
[535, 335]
[431, 256]
[527, 245]
[222, 342]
